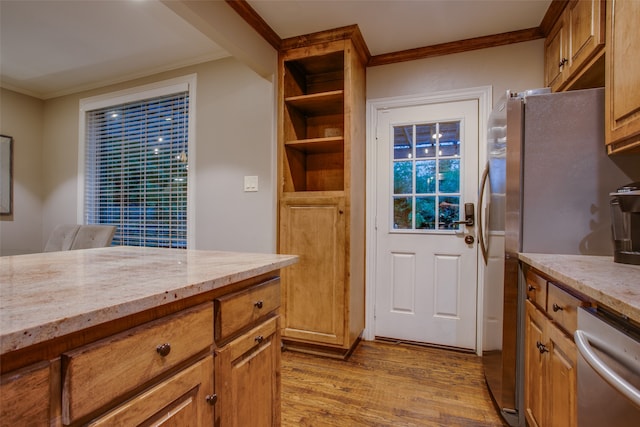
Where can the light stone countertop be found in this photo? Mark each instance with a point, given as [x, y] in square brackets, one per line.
[48, 295]
[612, 284]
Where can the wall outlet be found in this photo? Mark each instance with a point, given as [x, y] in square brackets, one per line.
[250, 183]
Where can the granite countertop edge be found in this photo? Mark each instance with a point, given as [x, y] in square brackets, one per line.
[14, 335]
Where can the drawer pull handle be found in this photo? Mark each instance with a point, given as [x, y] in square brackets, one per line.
[531, 288]
[211, 399]
[556, 307]
[259, 339]
[164, 349]
[258, 304]
[541, 347]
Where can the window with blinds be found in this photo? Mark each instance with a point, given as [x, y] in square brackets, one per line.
[136, 170]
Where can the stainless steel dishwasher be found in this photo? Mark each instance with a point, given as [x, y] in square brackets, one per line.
[608, 370]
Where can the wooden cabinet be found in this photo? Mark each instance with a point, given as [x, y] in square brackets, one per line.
[574, 48]
[550, 372]
[248, 357]
[184, 399]
[321, 133]
[247, 383]
[535, 326]
[550, 354]
[27, 395]
[622, 89]
[136, 344]
[118, 365]
[314, 291]
[162, 370]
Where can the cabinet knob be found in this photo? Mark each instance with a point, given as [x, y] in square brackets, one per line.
[164, 349]
[211, 399]
[556, 307]
[258, 304]
[541, 347]
[563, 62]
[259, 339]
[531, 288]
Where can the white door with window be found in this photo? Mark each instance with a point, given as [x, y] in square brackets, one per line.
[426, 262]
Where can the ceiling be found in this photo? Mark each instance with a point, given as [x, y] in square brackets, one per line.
[50, 48]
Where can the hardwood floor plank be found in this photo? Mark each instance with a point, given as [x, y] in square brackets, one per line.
[386, 384]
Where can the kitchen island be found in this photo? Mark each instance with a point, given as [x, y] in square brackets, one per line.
[126, 335]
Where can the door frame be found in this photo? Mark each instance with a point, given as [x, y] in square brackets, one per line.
[483, 95]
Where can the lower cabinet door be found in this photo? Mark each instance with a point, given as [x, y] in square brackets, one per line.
[313, 290]
[550, 373]
[248, 378]
[562, 373]
[185, 399]
[534, 365]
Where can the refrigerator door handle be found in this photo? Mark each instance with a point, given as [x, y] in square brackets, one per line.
[483, 245]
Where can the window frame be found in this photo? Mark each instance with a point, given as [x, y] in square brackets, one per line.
[166, 87]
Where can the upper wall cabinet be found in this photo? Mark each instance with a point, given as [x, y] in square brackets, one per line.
[622, 89]
[574, 48]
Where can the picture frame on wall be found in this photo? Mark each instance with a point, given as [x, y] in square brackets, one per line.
[6, 175]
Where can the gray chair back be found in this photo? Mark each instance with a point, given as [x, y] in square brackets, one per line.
[93, 236]
[61, 238]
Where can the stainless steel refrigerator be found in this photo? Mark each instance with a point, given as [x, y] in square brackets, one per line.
[545, 190]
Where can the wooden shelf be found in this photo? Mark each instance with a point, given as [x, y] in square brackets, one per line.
[318, 145]
[318, 103]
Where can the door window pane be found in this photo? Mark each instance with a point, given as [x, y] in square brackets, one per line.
[402, 177]
[402, 209]
[449, 211]
[425, 176]
[426, 140]
[426, 213]
[402, 142]
[449, 175]
[426, 173]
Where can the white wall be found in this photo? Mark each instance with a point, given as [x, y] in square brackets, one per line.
[21, 118]
[235, 137]
[515, 67]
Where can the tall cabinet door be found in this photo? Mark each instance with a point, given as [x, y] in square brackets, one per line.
[314, 288]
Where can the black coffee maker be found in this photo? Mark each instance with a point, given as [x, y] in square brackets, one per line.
[625, 223]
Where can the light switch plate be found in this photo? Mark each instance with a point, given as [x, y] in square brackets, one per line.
[250, 183]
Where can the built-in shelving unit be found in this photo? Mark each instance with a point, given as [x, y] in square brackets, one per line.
[321, 132]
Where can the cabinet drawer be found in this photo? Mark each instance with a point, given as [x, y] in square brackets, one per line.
[536, 288]
[253, 338]
[563, 308]
[238, 310]
[183, 399]
[100, 372]
[25, 396]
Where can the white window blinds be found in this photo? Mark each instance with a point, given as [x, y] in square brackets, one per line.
[136, 167]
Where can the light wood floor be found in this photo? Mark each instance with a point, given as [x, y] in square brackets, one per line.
[386, 384]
